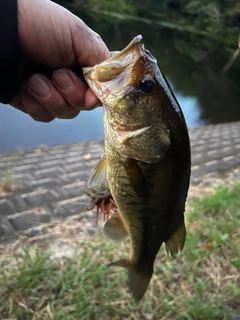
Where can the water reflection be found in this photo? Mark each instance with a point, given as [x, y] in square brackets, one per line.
[191, 110]
[191, 63]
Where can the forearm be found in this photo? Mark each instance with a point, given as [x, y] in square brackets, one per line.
[9, 49]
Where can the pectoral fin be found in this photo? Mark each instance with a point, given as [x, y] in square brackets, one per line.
[176, 241]
[114, 228]
[99, 173]
[132, 134]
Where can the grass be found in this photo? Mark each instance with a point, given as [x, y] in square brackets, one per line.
[42, 148]
[203, 283]
[8, 184]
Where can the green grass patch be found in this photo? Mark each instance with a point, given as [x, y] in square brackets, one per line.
[7, 183]
[202, 283]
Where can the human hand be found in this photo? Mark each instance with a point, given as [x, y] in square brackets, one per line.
[52, 37]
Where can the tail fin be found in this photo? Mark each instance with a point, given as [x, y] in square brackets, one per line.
[137, 281]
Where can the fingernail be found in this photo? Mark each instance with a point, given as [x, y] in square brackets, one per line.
[63, 80]
[40, 87]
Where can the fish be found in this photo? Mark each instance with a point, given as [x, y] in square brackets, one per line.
[146, 166]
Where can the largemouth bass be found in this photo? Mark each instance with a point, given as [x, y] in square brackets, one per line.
[145, 171]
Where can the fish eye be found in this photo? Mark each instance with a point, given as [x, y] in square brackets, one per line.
[146, 84]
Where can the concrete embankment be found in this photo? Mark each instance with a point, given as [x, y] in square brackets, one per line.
[47, 183]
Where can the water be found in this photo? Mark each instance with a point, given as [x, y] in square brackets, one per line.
[19, 132]
[191, 64]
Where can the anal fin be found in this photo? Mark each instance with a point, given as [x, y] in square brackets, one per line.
[175, 243]
[114, 228]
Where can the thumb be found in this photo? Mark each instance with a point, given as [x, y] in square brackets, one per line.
[89, 46]
[52, 36]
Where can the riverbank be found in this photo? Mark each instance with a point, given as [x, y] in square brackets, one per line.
[46, 182]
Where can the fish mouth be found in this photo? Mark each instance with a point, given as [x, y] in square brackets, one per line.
[121, 73]
[117, 63]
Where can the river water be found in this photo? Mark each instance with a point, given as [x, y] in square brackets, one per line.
[191, 63]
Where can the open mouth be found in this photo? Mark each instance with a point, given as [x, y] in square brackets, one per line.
[116, 65]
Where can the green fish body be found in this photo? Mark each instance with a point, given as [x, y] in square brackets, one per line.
[147, 160]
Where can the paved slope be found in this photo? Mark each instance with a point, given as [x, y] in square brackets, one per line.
[48, 182]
